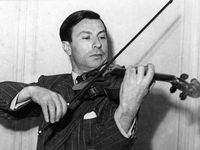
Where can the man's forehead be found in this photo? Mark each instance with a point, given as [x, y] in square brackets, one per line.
[89, 25]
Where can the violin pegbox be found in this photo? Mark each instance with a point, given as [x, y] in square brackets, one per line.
[180, 84]
[191, 89]
[184, 76]
[183, 94]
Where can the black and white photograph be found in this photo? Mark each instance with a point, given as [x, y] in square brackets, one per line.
[99, 75]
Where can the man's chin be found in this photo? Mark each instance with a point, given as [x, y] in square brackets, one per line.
[96, 63]
[93, 66]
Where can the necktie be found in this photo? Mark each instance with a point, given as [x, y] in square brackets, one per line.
[78, 79]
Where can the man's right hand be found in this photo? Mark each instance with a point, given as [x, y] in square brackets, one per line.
[54, 107]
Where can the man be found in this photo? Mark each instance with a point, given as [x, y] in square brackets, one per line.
[98, 123]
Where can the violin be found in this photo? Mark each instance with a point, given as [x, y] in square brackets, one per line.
[177, 83]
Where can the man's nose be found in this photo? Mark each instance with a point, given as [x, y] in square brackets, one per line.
[97, 43]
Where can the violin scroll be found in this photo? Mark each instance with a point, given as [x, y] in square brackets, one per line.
[191, 89]
[194, 88]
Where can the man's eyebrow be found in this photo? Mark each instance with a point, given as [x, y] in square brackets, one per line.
[88, 32]
[82, 32]
[103, 31]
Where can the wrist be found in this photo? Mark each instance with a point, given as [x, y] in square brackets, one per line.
[129, 110]
[124, 118]
[25, 94]
[124, 112]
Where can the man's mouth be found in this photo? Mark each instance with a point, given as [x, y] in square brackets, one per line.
[97, 55]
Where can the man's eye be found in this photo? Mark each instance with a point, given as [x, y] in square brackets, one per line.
[102, 37]
[86, 37]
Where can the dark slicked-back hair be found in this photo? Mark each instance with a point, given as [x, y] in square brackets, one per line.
[73, 19]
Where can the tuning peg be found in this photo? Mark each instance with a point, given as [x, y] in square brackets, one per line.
[184, 76]
[183, 96]
[172, 89]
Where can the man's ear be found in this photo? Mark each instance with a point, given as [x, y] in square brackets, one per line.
[67, 47]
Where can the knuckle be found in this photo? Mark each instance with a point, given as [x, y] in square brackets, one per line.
[53, 94]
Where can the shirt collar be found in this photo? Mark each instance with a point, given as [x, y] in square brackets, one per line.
[74, 76]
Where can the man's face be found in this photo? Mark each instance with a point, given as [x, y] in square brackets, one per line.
[89, 46]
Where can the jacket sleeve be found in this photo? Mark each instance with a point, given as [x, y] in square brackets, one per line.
[110, 138]
[8, 91]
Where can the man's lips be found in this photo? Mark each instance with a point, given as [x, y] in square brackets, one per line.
[96, 55]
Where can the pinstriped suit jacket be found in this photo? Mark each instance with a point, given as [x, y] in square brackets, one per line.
[72, 132]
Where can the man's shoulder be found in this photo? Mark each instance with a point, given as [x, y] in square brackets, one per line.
[49, 79]
[55, 76]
